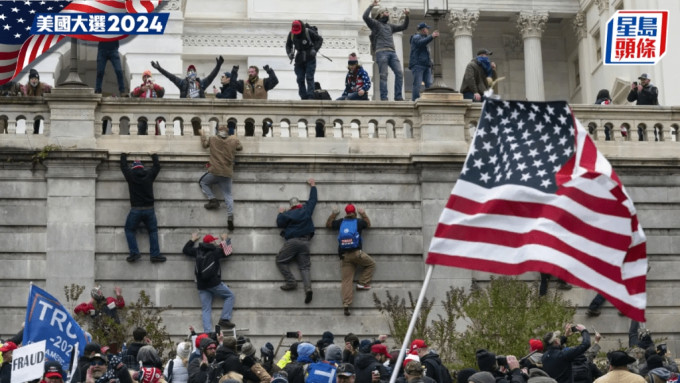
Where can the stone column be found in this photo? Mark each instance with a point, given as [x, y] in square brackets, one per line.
[531, 25]
[72, 115]
[581, 32]
[462, 24]
[71, 228]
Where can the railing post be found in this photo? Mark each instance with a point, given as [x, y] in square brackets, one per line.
[72, 117]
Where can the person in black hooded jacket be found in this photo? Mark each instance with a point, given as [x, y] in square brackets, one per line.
[307, 42]
[140, 185]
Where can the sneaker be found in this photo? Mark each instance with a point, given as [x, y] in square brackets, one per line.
[289, 286]
[230, 223]
[308, 296]
[212, 204]
[398, 99]
[133, 257]
[363, 287]
[226, 323]
[158, 259]
[593, 313]
[347, 313]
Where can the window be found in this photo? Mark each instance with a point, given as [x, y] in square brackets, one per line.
[598, 46]
[577, 73]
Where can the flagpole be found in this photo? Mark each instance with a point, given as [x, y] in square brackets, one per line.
[412, 325]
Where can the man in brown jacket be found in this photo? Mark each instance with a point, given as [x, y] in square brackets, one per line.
[223, 148]
[479, 76]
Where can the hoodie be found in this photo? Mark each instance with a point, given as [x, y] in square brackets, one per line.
[140, 181]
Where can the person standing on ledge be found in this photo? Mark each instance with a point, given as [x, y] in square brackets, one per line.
[140, 186]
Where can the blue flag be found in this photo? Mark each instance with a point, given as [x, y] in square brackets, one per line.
[47, 319]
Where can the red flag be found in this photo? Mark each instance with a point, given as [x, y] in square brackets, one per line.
[534, 194]
[18, 47]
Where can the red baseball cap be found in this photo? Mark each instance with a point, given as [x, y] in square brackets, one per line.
[297, 27]
[209, 239]
[535, 345]
[8, 346]
[416, 344]
[380, 349]
[349, 209]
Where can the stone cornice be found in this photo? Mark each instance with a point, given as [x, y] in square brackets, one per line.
[463, 23]
[532, 23]
[258, 41]
[579, 25]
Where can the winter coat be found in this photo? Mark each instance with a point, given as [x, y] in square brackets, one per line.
[11, 89]
[183, 83]
[365, 365]
[257, 89]
[557, 361]
[6, 372]
[297, 222]
[227, 92]
[296, 372]
[307, 44]
[157, 91]
[216, 253]
[200, 373]
[420, 55]
[474, 80]
[620, 376]
[382, 32]
[649, 95]
[356, 80]
[432, 364]
[180, 373]
[38, 90]
[140, 181]
[222, 154]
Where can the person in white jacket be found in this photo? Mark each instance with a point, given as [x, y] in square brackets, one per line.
[176, 369]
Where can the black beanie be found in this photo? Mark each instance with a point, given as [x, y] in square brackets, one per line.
[654, 361]
[33, 73]
[465, 374]
[486, 361]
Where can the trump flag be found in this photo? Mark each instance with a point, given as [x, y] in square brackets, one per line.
[18, 47]
[535, 194]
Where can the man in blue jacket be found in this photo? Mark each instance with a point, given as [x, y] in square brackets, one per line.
[419, 61]
[557, 359]
[298, 230]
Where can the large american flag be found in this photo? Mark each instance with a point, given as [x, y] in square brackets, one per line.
[535, 194]
[18, 47]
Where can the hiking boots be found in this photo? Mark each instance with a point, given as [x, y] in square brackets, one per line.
[308, 296]
[347, 313]
[133, 257]
[158, 259]
[212, 204]
[230, 223]
[593, 313]
[289, 286]
[226, 324]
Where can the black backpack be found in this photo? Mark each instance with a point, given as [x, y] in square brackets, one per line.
[207, 267]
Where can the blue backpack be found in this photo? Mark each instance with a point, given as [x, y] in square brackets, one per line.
[321, 372]
[349, 237]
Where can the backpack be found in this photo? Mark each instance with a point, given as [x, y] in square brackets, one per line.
[441, 373]
[321, 372]
[207, 267]
[349, 237]
[171, 366]
[307, 28]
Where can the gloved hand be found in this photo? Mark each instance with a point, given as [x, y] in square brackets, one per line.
[234, 68]
[312, 52]
[266, 68]
[155, 65]
[291, 56]
[219, 60]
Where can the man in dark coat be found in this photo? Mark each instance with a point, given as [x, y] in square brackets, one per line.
[191, 86]
[644, 93]
[307, 42]
[226, 90]
[140, 185]
[419, 61]
[201, 369]
[557, 360]
[479, 75]
[298, 230]
[369, 364]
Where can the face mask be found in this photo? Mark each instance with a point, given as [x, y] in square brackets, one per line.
[383, 19]
[222, 134]
[191, 75]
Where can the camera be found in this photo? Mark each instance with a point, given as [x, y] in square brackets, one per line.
[291, 334]
[635, 83]
[502, 360]
[574, 329]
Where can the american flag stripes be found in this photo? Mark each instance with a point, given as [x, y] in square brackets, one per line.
[535, 194]
[18, 47]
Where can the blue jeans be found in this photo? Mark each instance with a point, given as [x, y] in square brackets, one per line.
[148, 216]
[421, 74]
[354, 96]
[389, 59]
[103, 55]
[207, 296]
[206, 183]
[304, 73]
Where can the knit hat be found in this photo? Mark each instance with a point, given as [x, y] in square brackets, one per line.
[150, 375]
[267, 350]
[333, 353]
[92, 347]
[417, 344]
[229, 342]
[352, 59]
[197, 342]
[183, 350]
[365, 346]
[465, 374]
[248, 349]
[205, 342]
[137, 165]
[620, 359]
[208, 238]
[33, 74]
[482, 377]
[381, 10]
[304, 350]
[191, 67]
[280, 377]
[486, 361]
[350, 209]
[240, 341]
[380, 349]
[654, 361]
[53, 370]
[535, 345]
[145, 74]
[296, 28]
[148, 356]
[413, 367]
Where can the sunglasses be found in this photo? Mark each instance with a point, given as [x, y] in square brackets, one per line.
[98, 362]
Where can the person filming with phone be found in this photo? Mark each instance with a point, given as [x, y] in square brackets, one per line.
[557, 359]
[644, 93]
[148, 88]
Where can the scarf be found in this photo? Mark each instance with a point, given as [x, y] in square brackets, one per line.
[486, 64]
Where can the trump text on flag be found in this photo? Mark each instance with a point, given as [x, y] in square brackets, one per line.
[636, 37]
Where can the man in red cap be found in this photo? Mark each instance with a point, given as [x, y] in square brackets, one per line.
[208, 272]
[350, 251]
[434, 368]
[53, 372]
[370, 368]
[306, 41]
[6, 369]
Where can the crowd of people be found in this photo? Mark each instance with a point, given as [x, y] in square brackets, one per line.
[211, 357]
